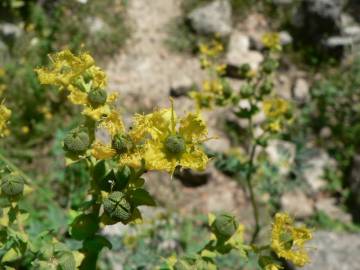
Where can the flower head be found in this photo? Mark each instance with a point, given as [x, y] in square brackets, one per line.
[288, 241]
[171, 141]
[65, 67]
[5, 114]
[272, 41]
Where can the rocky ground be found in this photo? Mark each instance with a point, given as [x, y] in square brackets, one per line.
[145, 72]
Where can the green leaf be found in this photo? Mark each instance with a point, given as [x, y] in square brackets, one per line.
[84, 226]
[99, 170]
[96, 244]
[122, 177]
[11, 255]
[141, 197]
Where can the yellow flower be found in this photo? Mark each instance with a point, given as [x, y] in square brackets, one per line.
[272, 41]
[170, 146]
[97, 113]
[288, 241]
[65, 67]
[25, 130]
[101, 151]
[5, 114]
[113, 123]
[214, 48]
[273, 266]
[275, 107]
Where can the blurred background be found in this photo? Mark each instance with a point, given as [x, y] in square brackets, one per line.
[149, 49]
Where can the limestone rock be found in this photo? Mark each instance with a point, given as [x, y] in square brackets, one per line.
[334, 251]
[297, 204]
[213, 18]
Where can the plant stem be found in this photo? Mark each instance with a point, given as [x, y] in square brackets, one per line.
[249, 174]
[252, 194]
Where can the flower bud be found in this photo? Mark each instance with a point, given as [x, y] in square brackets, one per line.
[246, 91]
[97, 97]
[117, 206]
[266, 88]
[76, 141]
[270, 65]
[224, 226]
[12, 184]
[175, 144]
[121, 143]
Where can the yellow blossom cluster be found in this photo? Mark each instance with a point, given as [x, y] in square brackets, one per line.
[288, 241]
[5, 113]
[278, 113]
[79, 76]
[271, 41]
[156, 141]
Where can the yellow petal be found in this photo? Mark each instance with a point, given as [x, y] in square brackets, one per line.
[101, 151]
[193, 128]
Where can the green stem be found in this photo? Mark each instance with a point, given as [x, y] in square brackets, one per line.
[252, 195]
[15, 168]
[249, 174]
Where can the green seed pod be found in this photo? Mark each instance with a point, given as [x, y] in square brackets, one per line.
[175, 144]
[266, 88]
[121, 143]
[117, 206]
[77, 141]
[12, 184]
[244, 70]
[66, 261]
[97, 97]
[87, 76]
[246, 91]
[270, 65]
[225, 226]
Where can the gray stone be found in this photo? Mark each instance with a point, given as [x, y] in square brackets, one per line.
[297, 204]
[285, 38]
[10, 30]
[181, 87]
[354, 183]
[97, 25]
[301, 90]
[334, 251]
[330, 208]
[239, 42]
[281, 154]
[316, 20]
[238, 58]
[314, 168]
[211, 19]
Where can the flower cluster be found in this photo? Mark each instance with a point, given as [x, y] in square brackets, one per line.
[215, 90]
[278, 113]
[5, 113]
[272, 41]
[156, 141]
[288, 241]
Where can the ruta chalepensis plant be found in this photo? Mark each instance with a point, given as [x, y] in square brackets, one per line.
[117, 163]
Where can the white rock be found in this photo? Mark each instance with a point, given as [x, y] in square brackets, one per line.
[213, 18]
[285, 38]
[238, 58]
[281, 154]
[329, 207]
[297, 204]
[301, 90]
[314, 168]
[239, 42]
